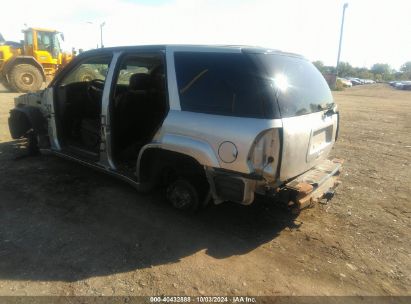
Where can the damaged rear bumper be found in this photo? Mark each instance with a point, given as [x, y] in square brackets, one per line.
[316, 184]
[312, 186]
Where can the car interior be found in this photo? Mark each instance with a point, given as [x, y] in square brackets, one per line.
[137, 107]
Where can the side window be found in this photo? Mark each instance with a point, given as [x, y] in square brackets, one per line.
[90, 69]
[218, 83]
[129, 69]
[140, 72]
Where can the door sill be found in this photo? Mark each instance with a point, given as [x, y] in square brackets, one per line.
[81, 153]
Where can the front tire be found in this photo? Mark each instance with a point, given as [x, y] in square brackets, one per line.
[25, 78]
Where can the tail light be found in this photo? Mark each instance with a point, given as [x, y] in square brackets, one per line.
[337, 131]
[263, 157]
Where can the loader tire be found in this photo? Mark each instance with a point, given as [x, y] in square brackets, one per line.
[7, 86]
[85, 74]
[25, 78]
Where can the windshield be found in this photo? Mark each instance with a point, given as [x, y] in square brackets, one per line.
[295, 82]
[49, 41]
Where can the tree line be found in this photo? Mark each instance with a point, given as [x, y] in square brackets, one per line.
[378, 72]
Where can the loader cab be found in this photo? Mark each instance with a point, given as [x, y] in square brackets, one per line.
[44, 45]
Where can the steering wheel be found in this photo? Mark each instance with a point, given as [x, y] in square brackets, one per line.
[95, 88]
[96, 85]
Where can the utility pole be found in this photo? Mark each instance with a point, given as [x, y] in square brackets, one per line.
[341, 35]
[101, 34]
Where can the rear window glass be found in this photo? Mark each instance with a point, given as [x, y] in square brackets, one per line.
[221, 84]
[296, 84]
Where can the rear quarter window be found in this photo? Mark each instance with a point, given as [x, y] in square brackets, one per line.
[297, 85]
[221, 84]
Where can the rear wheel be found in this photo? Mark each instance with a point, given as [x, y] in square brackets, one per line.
[186, 186]
[183, 195]
[25, 78]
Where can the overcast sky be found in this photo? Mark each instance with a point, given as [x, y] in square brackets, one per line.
[375, 31]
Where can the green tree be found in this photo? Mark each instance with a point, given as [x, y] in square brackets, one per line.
[406, 70]
[377, 77]
[400, 76]
[345, 69]
[389, 77]
[319, 65]
[329, 69]
[383, 69]
[406, 67]
[366, 74]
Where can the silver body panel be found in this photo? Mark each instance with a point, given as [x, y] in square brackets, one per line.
[307, 140]
[200, 135]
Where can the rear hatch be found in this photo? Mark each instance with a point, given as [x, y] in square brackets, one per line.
[306, 108]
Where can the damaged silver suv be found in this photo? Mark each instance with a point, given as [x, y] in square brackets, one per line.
[205, 123]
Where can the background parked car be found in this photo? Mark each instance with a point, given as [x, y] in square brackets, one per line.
[403, 85]
[355, 81]
[345, 82]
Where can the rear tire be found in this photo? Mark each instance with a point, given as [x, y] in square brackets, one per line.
[183, 196]
[25, 78]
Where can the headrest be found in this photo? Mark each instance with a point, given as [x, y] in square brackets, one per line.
[158, 71]
[157, 75]
[139, 81]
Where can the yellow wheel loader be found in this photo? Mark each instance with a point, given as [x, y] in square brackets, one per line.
[25, 66]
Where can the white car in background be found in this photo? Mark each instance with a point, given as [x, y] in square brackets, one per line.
[345, 82]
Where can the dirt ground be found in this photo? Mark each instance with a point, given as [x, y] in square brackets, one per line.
[67, 230]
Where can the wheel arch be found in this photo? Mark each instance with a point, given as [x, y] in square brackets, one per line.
[22, 60]
[24, 118]
[153, 159]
